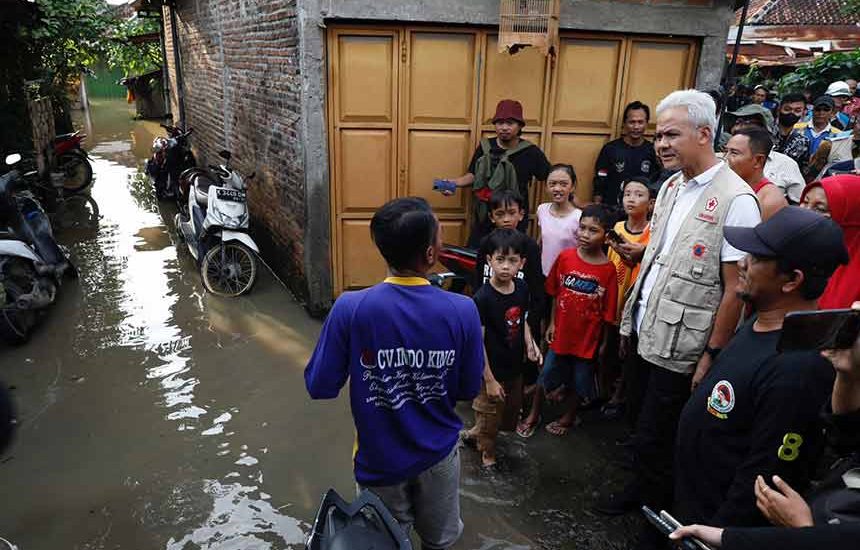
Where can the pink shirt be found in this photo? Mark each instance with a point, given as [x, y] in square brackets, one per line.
[556, 233]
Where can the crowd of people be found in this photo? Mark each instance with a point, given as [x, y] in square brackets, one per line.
[661, 301]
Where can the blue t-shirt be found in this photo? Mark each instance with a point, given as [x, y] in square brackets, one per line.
[411, 351]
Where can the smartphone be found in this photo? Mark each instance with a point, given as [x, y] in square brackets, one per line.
[667, 529]
[444, 186]
[675, 524]
[820, 330]
[613, 236]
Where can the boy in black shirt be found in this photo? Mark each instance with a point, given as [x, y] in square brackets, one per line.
[503, 304]
[756, 411]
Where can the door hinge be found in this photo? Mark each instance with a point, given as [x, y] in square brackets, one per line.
[403, 51]
[402, 175]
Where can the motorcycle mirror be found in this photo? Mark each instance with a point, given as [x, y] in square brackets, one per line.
[225, 154]
[14, 158]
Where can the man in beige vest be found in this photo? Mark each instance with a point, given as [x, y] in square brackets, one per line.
[683, 308]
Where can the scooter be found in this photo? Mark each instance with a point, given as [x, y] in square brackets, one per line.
[73, 161]
[32, 264]
[461, 262]
[215, 228]
[170, 157]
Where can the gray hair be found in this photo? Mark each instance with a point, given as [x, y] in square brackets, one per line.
[701, 109]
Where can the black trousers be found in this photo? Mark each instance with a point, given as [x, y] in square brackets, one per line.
[635, 371]
[656, 429]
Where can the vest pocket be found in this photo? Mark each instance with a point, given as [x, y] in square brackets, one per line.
[688, 291]
[681, 331]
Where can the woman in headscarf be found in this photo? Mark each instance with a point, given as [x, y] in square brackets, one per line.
[839, 198]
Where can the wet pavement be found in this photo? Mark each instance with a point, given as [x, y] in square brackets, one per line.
[156, 416]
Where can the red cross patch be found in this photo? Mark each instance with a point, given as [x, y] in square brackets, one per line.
[711, 205]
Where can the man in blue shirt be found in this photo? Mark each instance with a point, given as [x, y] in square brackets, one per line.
[411, 351]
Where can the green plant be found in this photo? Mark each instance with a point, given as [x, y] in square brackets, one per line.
[131, 58]
[818, 74]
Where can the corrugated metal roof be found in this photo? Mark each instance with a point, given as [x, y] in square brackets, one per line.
[797, 12]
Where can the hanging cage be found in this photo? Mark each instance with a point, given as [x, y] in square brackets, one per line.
[528, 23]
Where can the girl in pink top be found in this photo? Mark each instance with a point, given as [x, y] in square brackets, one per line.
[559, 219]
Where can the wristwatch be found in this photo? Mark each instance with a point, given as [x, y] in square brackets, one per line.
[713, 352]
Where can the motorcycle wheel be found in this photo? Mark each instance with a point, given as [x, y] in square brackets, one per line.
[15, 324]
[229, 269]
[78, 171]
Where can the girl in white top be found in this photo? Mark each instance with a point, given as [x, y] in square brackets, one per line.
[559, 219]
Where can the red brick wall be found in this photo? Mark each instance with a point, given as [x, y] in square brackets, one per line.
[239, 63]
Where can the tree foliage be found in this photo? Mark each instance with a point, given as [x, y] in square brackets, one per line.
[818, 74]
[131, 58]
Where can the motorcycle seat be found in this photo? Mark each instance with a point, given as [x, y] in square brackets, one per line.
[201, 184]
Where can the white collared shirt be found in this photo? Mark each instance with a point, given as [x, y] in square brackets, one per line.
[743, 212]
[783, 171]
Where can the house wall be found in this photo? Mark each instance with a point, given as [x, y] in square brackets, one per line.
[254, 79]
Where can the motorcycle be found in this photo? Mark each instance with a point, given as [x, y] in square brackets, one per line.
[171, 156]
[461, 262]
[73, 161]
[365, 524]
[32, 264]
[214, 225]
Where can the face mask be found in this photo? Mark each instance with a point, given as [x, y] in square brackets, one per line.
[788, 119]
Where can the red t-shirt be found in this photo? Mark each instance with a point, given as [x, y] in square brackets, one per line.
[586, 296]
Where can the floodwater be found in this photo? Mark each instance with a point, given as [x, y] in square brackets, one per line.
[156, 416]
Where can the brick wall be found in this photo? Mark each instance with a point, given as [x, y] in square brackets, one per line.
[239, 62]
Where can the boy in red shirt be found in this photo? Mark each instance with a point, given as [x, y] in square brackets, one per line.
[584, 287]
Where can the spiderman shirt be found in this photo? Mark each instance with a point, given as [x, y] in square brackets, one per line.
[503, 317]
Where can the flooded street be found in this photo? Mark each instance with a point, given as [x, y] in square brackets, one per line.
[154, 415]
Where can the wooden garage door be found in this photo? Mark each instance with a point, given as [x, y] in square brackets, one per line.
[409, 104]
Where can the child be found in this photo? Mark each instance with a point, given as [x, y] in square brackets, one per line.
[584, 288]
[502, 305]
[559, 219]
[638, 196]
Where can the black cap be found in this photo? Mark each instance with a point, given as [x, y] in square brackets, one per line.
[801, 236]
[824, 100]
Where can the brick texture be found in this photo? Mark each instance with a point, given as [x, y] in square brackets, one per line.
[240, 72]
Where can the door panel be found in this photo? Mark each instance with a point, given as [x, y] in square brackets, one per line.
[365, 266]
[365, 168]
[586, 85]
[366, 75]
[435, 154]
[656, 69]
[581, 151]
[441, 76]
[521, 77]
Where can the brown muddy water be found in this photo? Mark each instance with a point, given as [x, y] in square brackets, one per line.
[156, 416]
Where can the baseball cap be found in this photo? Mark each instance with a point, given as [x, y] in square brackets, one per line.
[824, 100]
[509, 109]
[839, 88]
[753, 109]
[801, 236]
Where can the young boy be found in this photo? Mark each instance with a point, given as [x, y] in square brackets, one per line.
[503, 304]
[638, 196]
[410, 352]
[584, 288]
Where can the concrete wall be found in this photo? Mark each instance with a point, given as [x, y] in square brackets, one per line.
[242, 92]
[255, 78]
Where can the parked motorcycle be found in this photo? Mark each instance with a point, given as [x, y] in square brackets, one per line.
[32, 264]
[462, 263]
[72, 160]
[171, 156]
[214, 225]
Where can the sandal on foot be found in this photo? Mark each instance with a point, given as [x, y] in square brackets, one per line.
[558, 429]
[527, 429]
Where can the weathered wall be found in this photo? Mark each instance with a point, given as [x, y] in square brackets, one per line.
[239, 63]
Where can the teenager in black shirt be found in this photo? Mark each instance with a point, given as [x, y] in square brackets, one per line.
[628, 157]
[756, 411]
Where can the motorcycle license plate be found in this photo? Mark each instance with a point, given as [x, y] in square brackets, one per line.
[231, 195]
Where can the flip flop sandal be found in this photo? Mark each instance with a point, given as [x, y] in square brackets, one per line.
[529, 431]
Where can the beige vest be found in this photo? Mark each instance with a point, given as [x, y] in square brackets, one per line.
[682, 306]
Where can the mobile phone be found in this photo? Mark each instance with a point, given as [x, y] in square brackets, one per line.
[444, 185]
[613, 236]
[664, 527]
[675, 524]
[820, 330]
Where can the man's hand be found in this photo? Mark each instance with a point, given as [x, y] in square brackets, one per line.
[782, 506]
[712, 536]
[550, 333]
[533, 352]
[495, 391]
[701, 370]
[631, 253]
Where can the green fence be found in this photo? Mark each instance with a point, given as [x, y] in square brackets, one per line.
[103, 84]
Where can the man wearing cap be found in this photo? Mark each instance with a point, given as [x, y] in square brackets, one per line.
[827, 144]
[756, 412]
[490, 168]
[841, 94]
[627, 157]
[782, 170]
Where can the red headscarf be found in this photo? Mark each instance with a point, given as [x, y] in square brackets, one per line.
[843, 199]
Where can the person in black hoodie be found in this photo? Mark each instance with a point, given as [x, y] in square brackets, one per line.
[831, 519]
[756, 413]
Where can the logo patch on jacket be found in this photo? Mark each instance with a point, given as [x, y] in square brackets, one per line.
[722, 399]
[699, 251]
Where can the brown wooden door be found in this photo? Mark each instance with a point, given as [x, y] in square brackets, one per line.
[410, 104]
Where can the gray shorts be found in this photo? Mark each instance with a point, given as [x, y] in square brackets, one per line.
[430, 502]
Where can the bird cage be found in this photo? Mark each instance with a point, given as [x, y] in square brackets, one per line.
[528, 23]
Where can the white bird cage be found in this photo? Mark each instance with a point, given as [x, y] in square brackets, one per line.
[528, 23]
